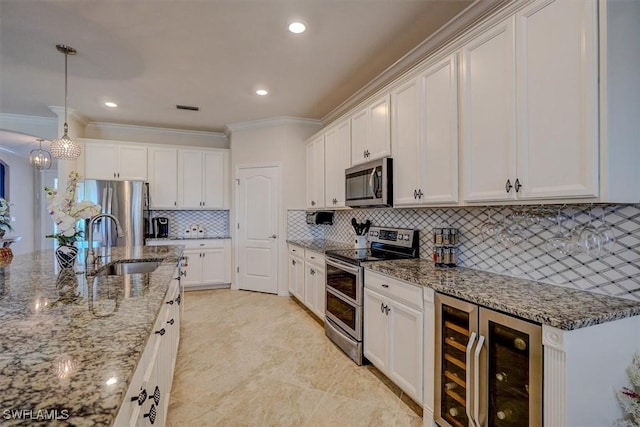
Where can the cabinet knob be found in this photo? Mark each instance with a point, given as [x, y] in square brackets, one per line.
[415, 194]
[170, 302]
[171, 321]
[508, 186]
[151, 414]
[313, 272]
[313, 203]
[140, 398]
[178, 299]
[381, 307]
[517, 185]
[293, 262]
[161, 331]
[156, 395]
[273, 236]
[384, 285]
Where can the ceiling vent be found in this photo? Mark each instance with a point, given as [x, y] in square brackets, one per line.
[187, 107]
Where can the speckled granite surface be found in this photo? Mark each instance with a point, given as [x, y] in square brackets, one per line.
[165, 239]
[563, 308]
[71, 343]
[321, 245]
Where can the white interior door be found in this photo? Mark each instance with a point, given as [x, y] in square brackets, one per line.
[258, 200]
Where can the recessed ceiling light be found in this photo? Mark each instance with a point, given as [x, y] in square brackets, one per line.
[262, 92]
[297, 27]
[111, 104]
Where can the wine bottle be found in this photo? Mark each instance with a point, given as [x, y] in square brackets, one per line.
[502, 376]
[450, 386]
[510, 410]
[457, 411]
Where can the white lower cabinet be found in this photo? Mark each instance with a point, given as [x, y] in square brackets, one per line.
[207, 262]
[307, 276]
[393, 331]
[147, 399]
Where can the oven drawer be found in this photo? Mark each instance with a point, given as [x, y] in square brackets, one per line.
[393, 288]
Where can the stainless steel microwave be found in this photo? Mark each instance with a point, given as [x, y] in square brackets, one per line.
[370, 184]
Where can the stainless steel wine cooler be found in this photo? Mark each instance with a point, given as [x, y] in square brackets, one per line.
[488, 367]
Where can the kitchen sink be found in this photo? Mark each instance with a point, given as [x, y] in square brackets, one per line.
[131, 267]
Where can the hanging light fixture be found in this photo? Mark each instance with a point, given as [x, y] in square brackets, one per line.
[39, 158]
[65, 148]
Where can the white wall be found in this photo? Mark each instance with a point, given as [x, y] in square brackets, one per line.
[283, 143]
[21, 195]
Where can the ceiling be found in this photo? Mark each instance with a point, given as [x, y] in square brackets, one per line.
[149, 55]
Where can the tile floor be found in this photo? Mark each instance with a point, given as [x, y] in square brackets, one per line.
[252, 359]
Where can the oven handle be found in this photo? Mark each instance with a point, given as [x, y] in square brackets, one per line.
[476, 382]
[343, 266]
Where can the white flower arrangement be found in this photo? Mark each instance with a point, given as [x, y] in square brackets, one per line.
[629, 398]
[65, 211]
[5, 216]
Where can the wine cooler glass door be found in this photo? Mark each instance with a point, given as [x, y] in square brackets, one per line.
[455, 334]
[512, 371]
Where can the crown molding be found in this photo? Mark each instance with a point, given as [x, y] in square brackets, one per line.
[459, 23]
[270, 122]
[27, 120]
[59, 111]
[152, 129]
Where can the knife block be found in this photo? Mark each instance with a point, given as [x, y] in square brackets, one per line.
[360, 242]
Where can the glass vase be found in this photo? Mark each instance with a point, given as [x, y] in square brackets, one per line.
[66, 256]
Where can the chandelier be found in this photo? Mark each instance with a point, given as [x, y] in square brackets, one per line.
[39, 158]
[65, 148]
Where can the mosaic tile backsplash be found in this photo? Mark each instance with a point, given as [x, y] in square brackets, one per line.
[215, 223]
[614, 272]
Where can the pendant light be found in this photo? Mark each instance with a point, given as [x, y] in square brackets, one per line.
[39, 158]
[65, 148]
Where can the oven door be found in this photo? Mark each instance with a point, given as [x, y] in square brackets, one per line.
[345, 314]
[345, 280]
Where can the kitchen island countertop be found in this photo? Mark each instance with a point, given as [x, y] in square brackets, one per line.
[69, 344]
[321, 245]
[553, 305]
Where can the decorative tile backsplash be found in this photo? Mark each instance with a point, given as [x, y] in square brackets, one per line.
[615, 273]
[215, 223]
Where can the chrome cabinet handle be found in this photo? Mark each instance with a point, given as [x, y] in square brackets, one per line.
[472, 339]
[517, 185]
[508, 186]
[476, 382]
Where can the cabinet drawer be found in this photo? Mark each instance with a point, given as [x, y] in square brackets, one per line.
[393, 288]
[202, 243]
[297, 251]
[314, 257]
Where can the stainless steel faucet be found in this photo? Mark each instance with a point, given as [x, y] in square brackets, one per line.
[90, 259]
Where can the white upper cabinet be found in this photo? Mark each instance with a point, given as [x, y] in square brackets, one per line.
[424, 130]
[337, 146]
[530, 105]
[371, 131]
[488, 117]
[315, 172]
[115, 161]
[163, 177]
[557, 99]
[202, 179]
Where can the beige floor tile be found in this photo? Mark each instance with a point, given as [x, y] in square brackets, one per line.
[253, 359]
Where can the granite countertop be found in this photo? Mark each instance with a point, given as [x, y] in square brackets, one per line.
[552, 305]
[321, 245]
[71, 343]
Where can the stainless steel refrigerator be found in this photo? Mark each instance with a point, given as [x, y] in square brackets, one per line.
[127, 201]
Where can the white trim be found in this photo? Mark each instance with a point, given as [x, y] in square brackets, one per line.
[273, 121]
[148, 129]
[24, 119]
[59, 111]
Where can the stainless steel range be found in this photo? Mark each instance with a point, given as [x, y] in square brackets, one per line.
[345, 283]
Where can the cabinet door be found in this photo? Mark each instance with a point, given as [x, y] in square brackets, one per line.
[488, 101]
[359, 136]
[132, 163]
[296, 277]
[315, 172]
[190, 178]
[215, 265]
[408, 150]
[405, 348]
[192, 268]
[163, 177]
[100, 161]
[376, 329]
[309, 285]
[379, 129]
[337, 146]
[214, 180]
[440, 127]
[320, 301]
[557, 99]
